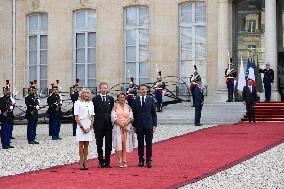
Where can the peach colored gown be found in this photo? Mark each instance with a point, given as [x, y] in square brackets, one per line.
[122, 114]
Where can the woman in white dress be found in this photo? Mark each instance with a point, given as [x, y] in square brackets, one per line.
[84, 115]
[122, 132]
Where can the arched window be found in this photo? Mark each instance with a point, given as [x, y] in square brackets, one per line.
[136, 32]
[37, 26]
[85, 47]
[192, 35]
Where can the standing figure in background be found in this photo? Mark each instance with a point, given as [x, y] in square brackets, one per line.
[249, 97]
[32, 104]
[55, 113]
[74, 97]
[6, 117]
[268, 78]
[159, 91]
[48, 113]
[230, 74]
[199, 98]
[194, 79]
[131, 92]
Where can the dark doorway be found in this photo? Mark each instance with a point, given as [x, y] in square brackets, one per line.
[281, 74]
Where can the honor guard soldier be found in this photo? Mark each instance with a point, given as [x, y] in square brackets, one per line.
[49, 120]
[131, 91]
[230, 74]
[159, 91]
[268, 78]
[74, 97]
[194, 79]
[55, 103]
[7, 116]
[32, 103]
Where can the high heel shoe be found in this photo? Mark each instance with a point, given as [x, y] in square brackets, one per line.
[82, 167]
[86, 166]
[124, 164]
[121, 165]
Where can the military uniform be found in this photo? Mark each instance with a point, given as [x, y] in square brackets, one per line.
[230, 74]
[54, 102]
[74, 97]
[32, 103]
[131, 92]
[6, 117]
[159, 91]
[194, 79]
[268, 78]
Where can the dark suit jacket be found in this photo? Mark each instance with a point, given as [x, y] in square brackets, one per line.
[249, 97]
[102, 113]
[199, 97]
[268, 75]
[144, 117]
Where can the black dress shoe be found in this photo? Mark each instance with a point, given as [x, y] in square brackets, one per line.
[31, 142]
[58, 138]
[11, 147]
[108, 166]
[197, 124]
[5, 148]
[54, 138]
[35, 142]
[101, 165]
[141, 164]
[12, 137]
[149, 164]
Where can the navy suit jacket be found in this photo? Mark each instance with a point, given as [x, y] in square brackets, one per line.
[199, 97]
[144, 117]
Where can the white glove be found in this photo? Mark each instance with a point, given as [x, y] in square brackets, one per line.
[11, 107]
[37, 107]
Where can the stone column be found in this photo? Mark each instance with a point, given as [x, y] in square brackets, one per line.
[224, 40]
[271, 44]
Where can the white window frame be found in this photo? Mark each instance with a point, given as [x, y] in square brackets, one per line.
[137, 29]
[37, 34]
[86, 32]
[193, 27]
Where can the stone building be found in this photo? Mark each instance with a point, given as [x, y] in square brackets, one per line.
[96, 40]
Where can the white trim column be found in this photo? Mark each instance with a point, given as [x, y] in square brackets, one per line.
[271, 44]
[224, 40]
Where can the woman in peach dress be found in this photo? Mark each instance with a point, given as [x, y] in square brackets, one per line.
[122, 133]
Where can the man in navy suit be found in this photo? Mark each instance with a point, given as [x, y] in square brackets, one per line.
[249, 98]
[103, 104]
[145, 123]
[198, 103]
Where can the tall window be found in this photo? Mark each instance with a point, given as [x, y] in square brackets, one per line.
[85, 47]
[37, 49]
[192, 35]
[136, 24]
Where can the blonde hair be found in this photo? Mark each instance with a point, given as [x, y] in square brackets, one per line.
[85, 90]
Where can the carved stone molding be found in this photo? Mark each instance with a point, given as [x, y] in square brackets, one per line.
[36, 4]
[84, 2]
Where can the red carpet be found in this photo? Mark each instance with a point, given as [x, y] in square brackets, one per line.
[268, 112]
[176, 162]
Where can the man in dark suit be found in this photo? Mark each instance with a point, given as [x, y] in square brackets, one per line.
[145, 123]
[103, 105]
[198, 103]
[268, 78]
[249, 98]
[74, 97]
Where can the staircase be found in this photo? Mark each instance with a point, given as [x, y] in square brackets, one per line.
[268, 112]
